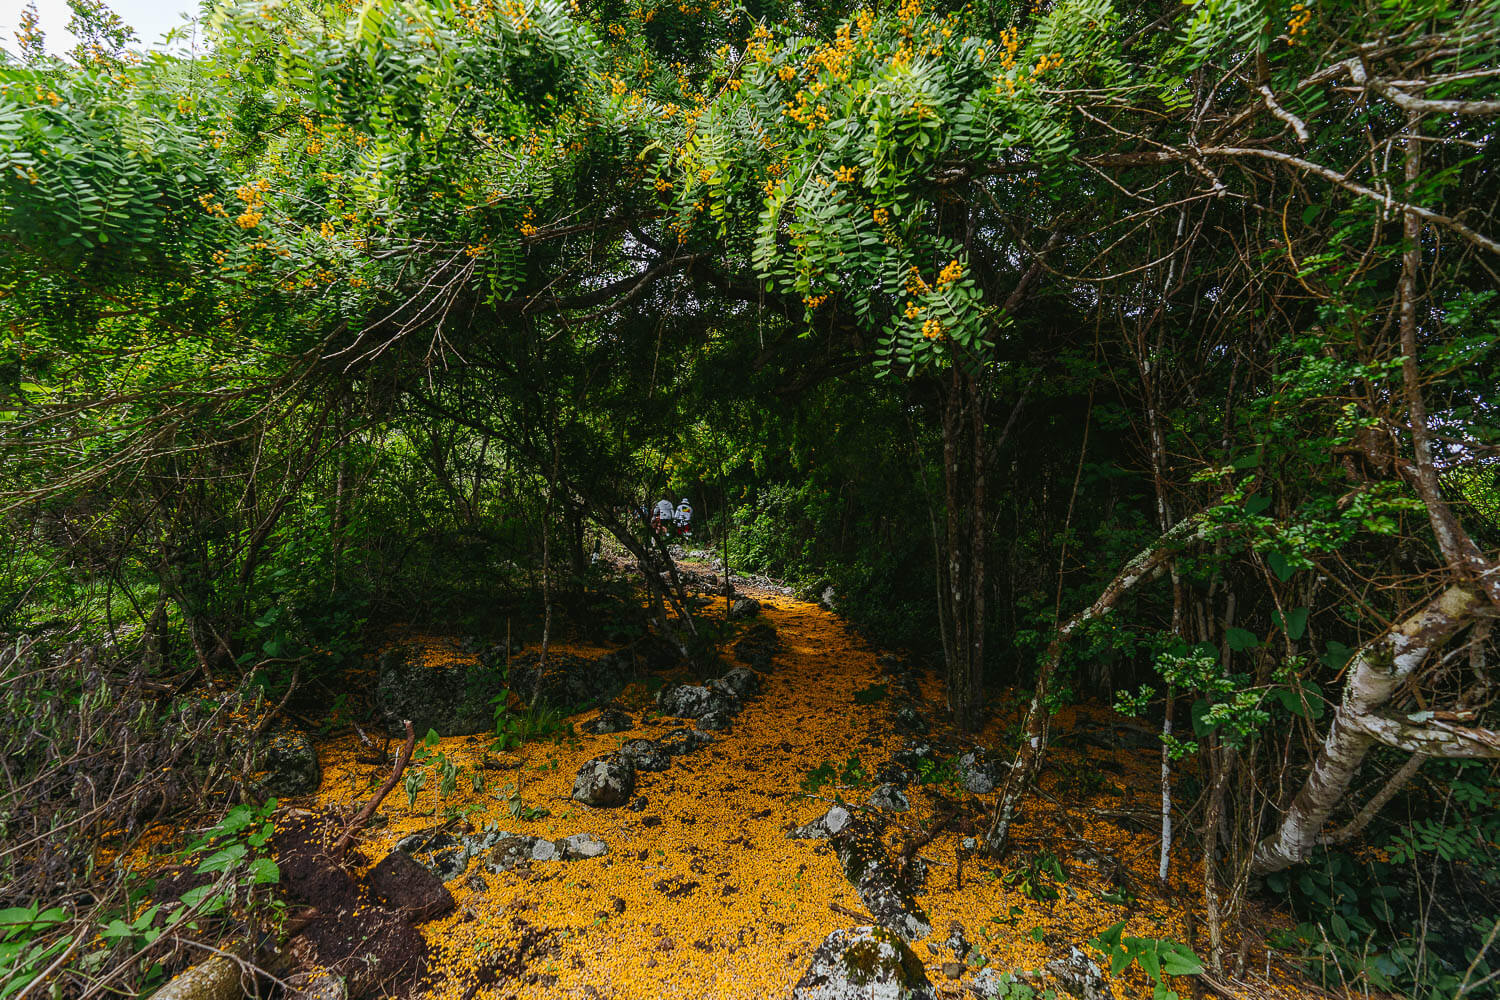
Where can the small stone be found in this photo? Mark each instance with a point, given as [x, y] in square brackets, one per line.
[953, 970]
[745, 607]
[1080, 975]
[637, 804]
[890, 798]
[826, 825]
[544, 850]
[979, 773]
[717, 722]
[681, 741]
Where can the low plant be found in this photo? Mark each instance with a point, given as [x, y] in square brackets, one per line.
[1157, 957]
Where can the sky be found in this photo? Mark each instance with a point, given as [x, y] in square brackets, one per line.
[150, 18]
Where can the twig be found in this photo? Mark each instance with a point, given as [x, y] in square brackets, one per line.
[363, 816]
[863, 918]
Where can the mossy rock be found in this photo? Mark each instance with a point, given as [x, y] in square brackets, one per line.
[452, 698]
[864, 963]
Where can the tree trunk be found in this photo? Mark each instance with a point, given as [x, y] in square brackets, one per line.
[1377, 670]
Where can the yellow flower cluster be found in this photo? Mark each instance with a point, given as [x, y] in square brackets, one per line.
[845, 174]
[881, 216]
[932, 329]
[29, 175]
[950, 273]
[1048, 61]
[813, 301]
[916, 284]
[913, 310]
[910, 10]
[1297, 26]
[475, 250]
[528, 224]
[211, 206]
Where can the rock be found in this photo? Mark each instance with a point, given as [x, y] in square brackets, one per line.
[914, 754]
[604, 781]
[645, 755]
[637, 804]
[405, 884]
[453, 699]
[909, 721]
[957, 943]
[740, 682]
[889, 798]
[693, 701]
[582, 845]
[610, 720]
[715, 722]
[979, 772]
[437, 850]
[508, 852]
[1080, 976]
[828, 598]
[745, 607]
[953, 970]
[683, 740]
[291, 764]
[863, 963]
[826, 825]
[544, 850]
[570, 681]
[876, 881]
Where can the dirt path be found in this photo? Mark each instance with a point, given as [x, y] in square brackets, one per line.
[701, 894]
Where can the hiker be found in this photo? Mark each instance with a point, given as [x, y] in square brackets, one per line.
[662, 517]
[683, 518]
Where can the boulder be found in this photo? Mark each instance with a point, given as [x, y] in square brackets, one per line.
[890, 798]
[582, 845]
[454, 699]
[610, 720]
[570, 681]
[1079, 976]
[745, 607]
[826, 825]
[909, 720]
[715, 722]
[544, 850]
[604, 781]
[406, 885]
[693, 701]
[509, 852]
[290, 764]
[741, 682]
[645, 755]
[682, 740]
[863, 963]
[979, 772]
[437, 850]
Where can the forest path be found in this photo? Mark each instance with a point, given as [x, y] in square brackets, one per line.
[701, 894]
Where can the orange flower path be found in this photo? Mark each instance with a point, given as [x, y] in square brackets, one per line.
[702, 895]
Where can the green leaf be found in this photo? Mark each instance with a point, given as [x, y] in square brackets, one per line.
[1295, 624]
[1240, 639]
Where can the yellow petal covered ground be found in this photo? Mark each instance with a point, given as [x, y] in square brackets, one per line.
[701, 894]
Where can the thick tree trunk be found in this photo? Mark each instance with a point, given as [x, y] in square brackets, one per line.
[1377, 670]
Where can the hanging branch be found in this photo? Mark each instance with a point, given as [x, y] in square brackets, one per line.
[363, 816]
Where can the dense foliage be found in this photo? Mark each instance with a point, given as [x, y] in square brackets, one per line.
[987, 317]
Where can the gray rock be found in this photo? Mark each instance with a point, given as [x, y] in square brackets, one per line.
[913, 755]
[453, 699]
[1080, 976]
[740, 682]
[759, 647]
[569, 681]
[544, 850]
[909, 720]
[826, 825]
[582, 845]
[611, 720]
[291, 764]
[828, 598]
[604, 781]
[745, 607]
[693, 701]
[645, 755]
[863, 963]
[715, 722]
[440, 852]
[889, 798]
[681, 741]
[979, 772]
[509, 852]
